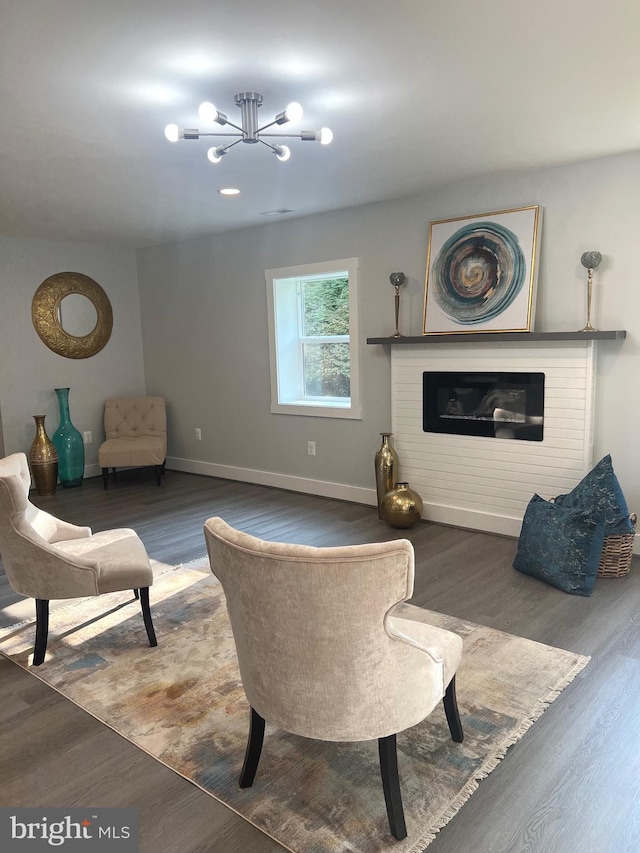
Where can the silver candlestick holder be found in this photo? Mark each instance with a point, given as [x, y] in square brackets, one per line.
[590, 260]
[397, 279]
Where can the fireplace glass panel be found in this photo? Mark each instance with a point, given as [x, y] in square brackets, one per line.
[493, 404]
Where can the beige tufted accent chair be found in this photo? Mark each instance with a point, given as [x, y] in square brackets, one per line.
[136, 431]
[47, 558]
[328, 648]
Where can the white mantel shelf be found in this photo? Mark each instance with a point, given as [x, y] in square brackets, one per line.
[494, 337]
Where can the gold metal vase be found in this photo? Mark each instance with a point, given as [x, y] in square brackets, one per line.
[401, 507]
[386, 468]
[43, 460]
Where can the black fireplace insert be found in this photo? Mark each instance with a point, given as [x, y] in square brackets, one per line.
[493, 404]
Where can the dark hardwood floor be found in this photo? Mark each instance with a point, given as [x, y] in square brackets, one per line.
[572, 784]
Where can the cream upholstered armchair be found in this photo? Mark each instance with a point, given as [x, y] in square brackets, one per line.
[327, 647]
[136, 432]
[46, 558]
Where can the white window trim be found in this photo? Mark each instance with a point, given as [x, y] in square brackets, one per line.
[329, 407]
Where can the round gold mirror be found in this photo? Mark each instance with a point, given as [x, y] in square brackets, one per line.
[72, 315]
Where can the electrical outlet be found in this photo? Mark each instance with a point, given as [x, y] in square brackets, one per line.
[311, 448]
[88, 436]
[198, 434]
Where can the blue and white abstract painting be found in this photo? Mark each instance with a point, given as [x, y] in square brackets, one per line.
[481, 273]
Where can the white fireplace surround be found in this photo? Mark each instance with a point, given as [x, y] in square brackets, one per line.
[486, 483]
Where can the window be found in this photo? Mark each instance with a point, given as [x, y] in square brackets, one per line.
[313, 339]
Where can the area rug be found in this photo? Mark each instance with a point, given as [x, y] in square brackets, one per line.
[183, 703]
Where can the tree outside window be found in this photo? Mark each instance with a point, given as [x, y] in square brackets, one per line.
[325, 337]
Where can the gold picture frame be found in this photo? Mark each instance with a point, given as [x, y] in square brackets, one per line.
[45, 314]
[482, 273]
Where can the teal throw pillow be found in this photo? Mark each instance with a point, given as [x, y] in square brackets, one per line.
[560, 546]
[600, 493]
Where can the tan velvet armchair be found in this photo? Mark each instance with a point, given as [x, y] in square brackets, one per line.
[136, 435]
[46, 558]
[328, 648]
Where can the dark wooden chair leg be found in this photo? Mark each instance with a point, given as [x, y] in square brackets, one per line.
[42, 630]
[136, 593]
[105, 477]
[391, 786]
[159, 473]
[146, 615]
[451, 710]
[254, 749]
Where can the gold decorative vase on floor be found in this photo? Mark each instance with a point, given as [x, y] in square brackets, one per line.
[401, 507]
[386, 467]
[43, 460]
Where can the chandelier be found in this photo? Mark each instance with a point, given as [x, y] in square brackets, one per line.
[249, 103]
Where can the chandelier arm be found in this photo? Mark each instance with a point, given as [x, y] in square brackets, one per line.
[265, 126]
[231, 144]
[221, 134]
[231, 124]
[282, 136]
[268, 144]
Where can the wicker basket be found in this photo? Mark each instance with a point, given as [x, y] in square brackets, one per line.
[615, 561]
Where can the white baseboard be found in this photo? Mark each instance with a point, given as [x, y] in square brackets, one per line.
[340, 491]
[454, 516]
[486, 522]
[472, 519]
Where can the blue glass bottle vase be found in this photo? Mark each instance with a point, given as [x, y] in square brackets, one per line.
[68, 442]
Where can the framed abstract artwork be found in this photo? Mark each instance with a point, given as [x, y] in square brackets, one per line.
[482, 272]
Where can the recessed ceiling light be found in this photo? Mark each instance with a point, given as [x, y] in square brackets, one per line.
[229, 191]
[279, 212]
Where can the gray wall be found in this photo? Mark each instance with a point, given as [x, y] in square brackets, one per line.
[206, 344]
[204, 316]
[29, 371]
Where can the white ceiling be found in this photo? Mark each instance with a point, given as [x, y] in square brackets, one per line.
[417, 92]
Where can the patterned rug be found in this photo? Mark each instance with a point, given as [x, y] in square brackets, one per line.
[183, 703]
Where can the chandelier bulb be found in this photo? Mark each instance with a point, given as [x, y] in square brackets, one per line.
[294, 111]
[214, 155]
[326, 136]
[282, 152]
[172, 132]
[207, 112]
